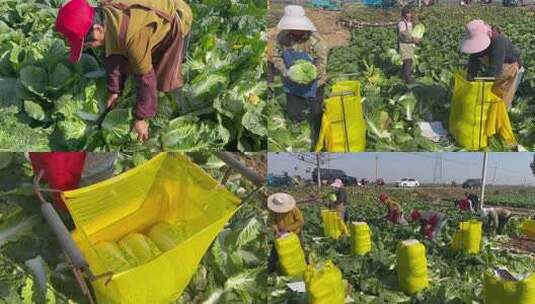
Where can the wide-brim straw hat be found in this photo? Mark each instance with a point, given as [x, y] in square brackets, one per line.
[281, 202]
[295, 19]
[477, 37]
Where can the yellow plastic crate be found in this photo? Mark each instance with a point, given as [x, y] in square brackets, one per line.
[169, 188]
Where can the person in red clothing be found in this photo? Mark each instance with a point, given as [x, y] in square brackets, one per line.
[70, 170]
[431, 222]
[465, 204]
[141, 38]
[395, 212]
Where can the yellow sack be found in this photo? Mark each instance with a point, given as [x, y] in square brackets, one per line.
[343, 128]
[499, 291]
[468, 237]
[477, 113]
[168, 188]
[361, 242]
[324, 284]
[333, 225]
[528, 228]
[411, 266]
[291, 256]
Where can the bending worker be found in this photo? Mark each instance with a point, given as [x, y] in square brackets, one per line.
[431, 222]
[284, 217]
[395, 213]
[406, 45]
[141, 38]
[487, 44]
[496, 219]
[299, 40]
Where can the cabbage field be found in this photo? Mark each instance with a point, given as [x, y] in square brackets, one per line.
[47, 103]
[392, 110]
[33, 268]
[454, 277]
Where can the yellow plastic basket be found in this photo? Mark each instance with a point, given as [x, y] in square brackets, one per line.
[169, 188]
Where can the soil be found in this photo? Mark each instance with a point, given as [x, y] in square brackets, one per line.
[521, 244]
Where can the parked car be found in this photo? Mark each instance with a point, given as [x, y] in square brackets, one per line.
[380, 182]
[472, 183]
[408, 182]
[329, 175]
[283, 180]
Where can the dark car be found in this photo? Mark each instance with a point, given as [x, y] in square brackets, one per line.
[283, 180]
[472, 183]
[330, 175]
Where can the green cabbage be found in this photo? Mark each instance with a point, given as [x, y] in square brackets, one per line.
[138, 249]
[332, 197]
[418, 31]
[165, 235]
[302, 72]
[112, 256]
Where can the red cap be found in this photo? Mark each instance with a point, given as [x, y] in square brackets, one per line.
[73, 21]
[415, 215]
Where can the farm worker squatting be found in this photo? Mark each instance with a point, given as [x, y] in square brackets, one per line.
[284, 217]
[486, 44]
[142, 38]
[341, 199]
[431, 222]
[406, 44]
[395, 213]
[299, 40]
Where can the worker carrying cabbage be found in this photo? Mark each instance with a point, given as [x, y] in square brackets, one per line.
[339, 199]
[495, 219]
[284, 217]
[431, 222]
[486, 44]
[407, 39]
[300, 55]
[140, 38]
[395, 212]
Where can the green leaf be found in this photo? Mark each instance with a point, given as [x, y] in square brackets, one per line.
[34, 79]
[60, 77]
[34, 110]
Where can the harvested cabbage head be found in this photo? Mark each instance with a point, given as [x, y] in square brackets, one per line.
[302, 72]
[138, 249]
[418, 31]
[112, 256]
[165, 235]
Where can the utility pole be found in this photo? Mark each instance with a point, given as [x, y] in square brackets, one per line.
[494, 175]
[484, 177]
[318, 168]
[376, 166]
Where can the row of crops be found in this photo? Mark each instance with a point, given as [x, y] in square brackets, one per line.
[454, 277]
[392, 110]
[232, 271]
[48, 104]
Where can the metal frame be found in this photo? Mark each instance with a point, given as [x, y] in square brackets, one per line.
[74, 256]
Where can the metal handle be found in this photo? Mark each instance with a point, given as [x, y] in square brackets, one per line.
[235, 164]
[56, 224]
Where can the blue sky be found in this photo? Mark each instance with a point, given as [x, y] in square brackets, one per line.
[503, 168]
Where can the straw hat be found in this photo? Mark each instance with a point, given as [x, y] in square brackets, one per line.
[477, 37]
[281, 202]
[295, 19]
[337, 183]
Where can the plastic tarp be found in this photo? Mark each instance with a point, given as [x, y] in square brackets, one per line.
[412, 266]
[167, 188]
[499, 291]
[343, 128]
[477, 114]
[333, 225]
[291, 255]
[361, 242]
[324, 284]
[468, 237]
